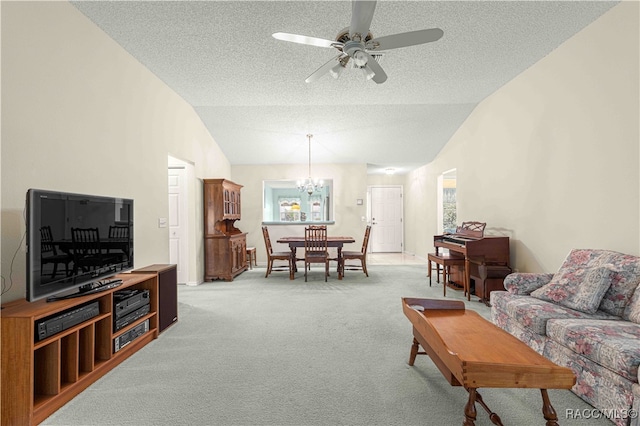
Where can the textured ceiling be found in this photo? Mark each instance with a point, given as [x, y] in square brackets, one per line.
[250, 92]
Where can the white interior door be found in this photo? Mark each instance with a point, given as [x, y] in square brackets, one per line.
[178, 231]
[386, 219]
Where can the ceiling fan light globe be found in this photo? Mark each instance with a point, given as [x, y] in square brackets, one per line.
[360, 58]
[336, 70]
[368, 74]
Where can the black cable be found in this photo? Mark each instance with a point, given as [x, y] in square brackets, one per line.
[4, 281]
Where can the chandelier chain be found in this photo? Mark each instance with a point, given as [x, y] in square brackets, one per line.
[309, 136]
[309, 185]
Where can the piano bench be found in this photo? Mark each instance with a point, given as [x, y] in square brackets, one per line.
[446, 261]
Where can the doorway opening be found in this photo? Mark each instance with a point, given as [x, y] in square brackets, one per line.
[447, 202]
[180, 173]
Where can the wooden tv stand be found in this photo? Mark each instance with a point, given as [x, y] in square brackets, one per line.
[39, 377]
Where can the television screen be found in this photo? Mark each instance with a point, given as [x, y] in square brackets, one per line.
[75, 240]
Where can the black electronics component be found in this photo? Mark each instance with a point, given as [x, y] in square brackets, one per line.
[127, 301]
[130, 318]
[54, 324]
[100, 285]
[129, 336]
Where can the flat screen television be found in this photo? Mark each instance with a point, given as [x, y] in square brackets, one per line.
[75, 242]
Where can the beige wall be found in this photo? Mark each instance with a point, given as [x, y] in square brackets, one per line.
[349, 184]
[552, 158]
[79, 114]
[559, 145]
[385, 180]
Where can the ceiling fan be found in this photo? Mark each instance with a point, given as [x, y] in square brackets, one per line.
[357, 44]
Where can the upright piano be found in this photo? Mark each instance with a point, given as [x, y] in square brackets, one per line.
[476, 248]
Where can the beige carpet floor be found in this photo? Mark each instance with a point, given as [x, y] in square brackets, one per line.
[272, 351]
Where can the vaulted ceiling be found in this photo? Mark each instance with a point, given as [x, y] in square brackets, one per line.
[249, 88]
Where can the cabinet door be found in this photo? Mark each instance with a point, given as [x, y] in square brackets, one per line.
[235, 261]
[242, 253]
[238, 248]
[227, 203]
[231, 200]
[238, 205]
[234, 204]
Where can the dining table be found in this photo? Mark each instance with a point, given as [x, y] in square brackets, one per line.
[106, 244]
[332, 241]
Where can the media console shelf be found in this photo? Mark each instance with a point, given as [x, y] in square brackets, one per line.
[39, 377]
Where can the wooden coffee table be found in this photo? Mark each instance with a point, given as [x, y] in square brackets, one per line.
[472, 352]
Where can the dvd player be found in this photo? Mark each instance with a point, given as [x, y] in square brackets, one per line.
[54, 324]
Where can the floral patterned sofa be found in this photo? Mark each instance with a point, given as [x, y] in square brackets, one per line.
[586, 317]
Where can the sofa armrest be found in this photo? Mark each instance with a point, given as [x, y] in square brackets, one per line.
[525, 282]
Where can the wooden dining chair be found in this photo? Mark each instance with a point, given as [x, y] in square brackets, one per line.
[49, 253]
[87, 250]
[120, 233]
[315, 248]
[357, 255]
[276, 255]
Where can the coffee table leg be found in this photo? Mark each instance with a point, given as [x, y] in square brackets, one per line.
[470, 409]
[414, 352]
[547, 409]
[495, 419]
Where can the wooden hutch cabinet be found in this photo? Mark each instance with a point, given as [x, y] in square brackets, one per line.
[225, 246]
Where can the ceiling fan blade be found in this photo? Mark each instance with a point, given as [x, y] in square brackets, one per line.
[323, 70]
[361, 17]
[411, 38]
[311, 41]
[379, 75]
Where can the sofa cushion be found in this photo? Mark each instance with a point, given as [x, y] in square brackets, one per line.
[579, 289]
[625, 280]
[610, 343]
[632, 310]
[535, 341]
[533, 314]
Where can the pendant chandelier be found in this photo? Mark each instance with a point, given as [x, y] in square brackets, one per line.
[309, 185]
